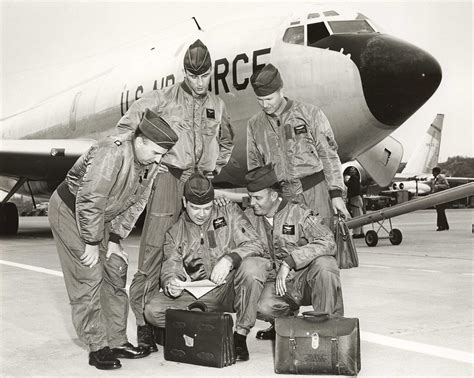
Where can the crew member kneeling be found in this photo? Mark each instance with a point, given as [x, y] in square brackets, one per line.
[301, 249]
[216, 243]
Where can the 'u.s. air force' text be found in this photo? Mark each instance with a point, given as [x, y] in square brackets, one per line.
[221, 71]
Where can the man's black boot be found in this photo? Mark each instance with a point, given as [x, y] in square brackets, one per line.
[160, 336]
[145, 337]
[127, 350]
[267, 334]
[104, 359]
[240, 343]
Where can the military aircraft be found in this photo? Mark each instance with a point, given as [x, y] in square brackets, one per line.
[368, 83]
[416, 175]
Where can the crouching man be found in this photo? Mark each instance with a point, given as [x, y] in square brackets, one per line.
[300, 248]
[216, 243]
[94, 208]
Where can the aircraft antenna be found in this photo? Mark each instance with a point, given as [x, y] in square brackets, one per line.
[197, 24]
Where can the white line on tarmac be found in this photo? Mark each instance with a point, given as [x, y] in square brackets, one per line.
[370, 337]
[33, 268]
[425, 270]
[414, 346]
[375, 266]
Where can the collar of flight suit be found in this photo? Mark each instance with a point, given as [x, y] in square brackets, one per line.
[185, 87]
[289, 104]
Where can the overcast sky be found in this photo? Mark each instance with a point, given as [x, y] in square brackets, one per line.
[47, 46]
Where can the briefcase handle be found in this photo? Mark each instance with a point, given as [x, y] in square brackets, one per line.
[199, 305]
[316, 314]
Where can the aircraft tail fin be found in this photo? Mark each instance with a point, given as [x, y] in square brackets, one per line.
[426, 155]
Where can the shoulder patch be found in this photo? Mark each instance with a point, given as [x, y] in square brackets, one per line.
[219, 222]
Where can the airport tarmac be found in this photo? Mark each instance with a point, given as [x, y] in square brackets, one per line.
[414, 302]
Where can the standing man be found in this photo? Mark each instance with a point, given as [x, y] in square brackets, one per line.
[94, 208]
[300, 248]
[297, 139]
[355, 202]
[205, 145]
[216, 243]
[438, 184]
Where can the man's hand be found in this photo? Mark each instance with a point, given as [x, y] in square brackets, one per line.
[339, 206]
[280, 283]
[90, 256]
[175, 287]
[220, 271]
[162, 168]
[221, 201]
[117, 249]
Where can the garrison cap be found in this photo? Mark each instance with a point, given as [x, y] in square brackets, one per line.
[197, 59]
[198, 190]
[266, 81]
[261, 178]
[157, 130]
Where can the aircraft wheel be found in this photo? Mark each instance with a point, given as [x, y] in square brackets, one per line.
[371, 238]
[8, 219]
[395, 236]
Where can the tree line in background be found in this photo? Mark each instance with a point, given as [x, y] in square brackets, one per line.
[458, 166]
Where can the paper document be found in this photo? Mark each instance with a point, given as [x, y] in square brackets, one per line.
[199, 288]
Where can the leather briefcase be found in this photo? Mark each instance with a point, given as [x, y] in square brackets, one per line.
[199, 338]
[317, 343]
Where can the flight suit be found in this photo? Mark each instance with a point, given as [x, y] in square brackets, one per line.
[99, 201]
[205, 144]
[192, 251]
[438, 184]
[301, 145]
[300, 239]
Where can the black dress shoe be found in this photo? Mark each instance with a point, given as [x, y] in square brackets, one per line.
[104, 359]
[160, 336]
[266, 334]
[440, 229]
[358, 236]
[240, 343]
[145, 337]
[127, 350]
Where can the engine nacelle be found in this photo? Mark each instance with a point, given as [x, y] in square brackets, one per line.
[346, 167]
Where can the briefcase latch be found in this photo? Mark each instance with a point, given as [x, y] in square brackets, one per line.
[188, 341]
[315, 341]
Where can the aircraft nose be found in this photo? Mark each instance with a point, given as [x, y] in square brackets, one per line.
[397, 77]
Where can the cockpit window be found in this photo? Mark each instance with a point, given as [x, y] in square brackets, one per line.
[294, 35]
[331, 13]
[353, 26]
[316, 32]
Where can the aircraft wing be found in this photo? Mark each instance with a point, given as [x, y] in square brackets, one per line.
[43, 159]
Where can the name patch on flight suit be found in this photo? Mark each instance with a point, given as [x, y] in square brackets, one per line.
[288, 229]
[300, 129]
[219, 222]
[211, 113]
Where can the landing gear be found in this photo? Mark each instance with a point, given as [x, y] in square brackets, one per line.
[9, 211]
[8, 219]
